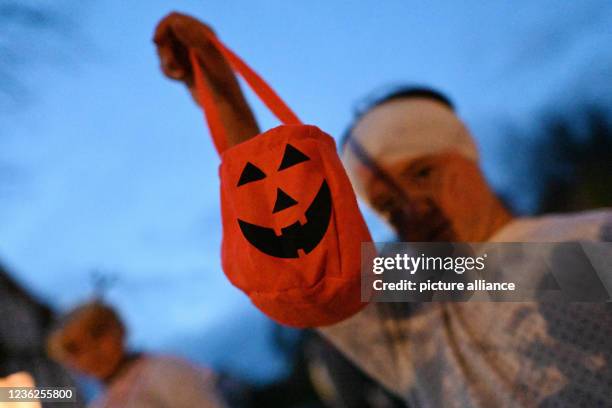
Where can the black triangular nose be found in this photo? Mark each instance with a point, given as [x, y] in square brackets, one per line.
[283, 201]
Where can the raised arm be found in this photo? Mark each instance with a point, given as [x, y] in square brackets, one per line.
[174, 36]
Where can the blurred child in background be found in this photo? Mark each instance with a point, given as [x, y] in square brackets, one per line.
[92, 340]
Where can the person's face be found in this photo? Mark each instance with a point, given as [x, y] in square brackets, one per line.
[429, 198]
[92, 348]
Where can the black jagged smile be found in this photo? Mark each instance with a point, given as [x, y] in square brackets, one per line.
[295, 236]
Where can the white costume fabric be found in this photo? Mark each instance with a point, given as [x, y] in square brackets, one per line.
[481, 354]
[156, 382]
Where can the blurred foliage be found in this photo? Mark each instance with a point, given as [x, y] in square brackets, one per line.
[561, 161]
[574, 159]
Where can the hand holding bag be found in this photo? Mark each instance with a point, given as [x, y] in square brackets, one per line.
[292, 230]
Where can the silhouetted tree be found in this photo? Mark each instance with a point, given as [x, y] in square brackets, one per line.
[574, 157]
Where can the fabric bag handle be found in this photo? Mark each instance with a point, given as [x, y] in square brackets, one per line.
[205, 95]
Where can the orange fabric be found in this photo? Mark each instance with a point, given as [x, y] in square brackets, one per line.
[257, 84]
[292, 230]
[207, 101]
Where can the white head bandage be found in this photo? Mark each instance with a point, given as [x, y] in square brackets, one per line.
[411, 127]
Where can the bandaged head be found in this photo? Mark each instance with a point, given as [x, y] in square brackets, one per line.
[407, 125]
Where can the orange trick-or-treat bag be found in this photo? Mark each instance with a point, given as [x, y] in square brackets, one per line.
[292, 230]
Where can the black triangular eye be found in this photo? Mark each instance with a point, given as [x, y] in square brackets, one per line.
[250, 173]
[292, 156]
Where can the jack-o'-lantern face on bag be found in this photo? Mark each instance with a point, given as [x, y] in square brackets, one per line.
[292, 230]
[291, 227]
[294, 236]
